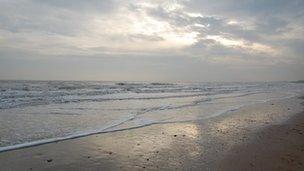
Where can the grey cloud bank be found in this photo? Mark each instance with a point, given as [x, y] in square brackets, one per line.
[152, 40]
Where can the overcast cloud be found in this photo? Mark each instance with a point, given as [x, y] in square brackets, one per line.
[152, 40]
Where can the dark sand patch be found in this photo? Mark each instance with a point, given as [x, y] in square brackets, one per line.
[276, 147]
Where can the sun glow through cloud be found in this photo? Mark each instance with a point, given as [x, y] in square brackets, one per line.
[137, 30]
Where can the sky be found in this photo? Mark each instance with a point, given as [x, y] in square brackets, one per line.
[152, 40]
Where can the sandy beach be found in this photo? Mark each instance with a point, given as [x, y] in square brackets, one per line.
[156, 85]
[265, 136]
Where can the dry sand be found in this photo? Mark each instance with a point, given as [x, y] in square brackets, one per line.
[267, 136]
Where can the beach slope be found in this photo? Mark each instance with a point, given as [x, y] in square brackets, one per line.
[265, 136]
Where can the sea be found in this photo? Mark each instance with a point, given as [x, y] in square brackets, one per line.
[38, 112]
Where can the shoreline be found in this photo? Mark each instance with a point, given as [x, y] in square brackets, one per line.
[202, 145]
[104, 131]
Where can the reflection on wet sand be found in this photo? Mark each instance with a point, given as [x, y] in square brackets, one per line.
[162, 144]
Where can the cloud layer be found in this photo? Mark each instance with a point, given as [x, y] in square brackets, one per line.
[228, 33]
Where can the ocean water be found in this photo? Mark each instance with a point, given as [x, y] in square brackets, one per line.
[34, 112]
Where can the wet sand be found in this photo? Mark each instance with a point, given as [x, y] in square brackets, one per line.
[266, 136]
